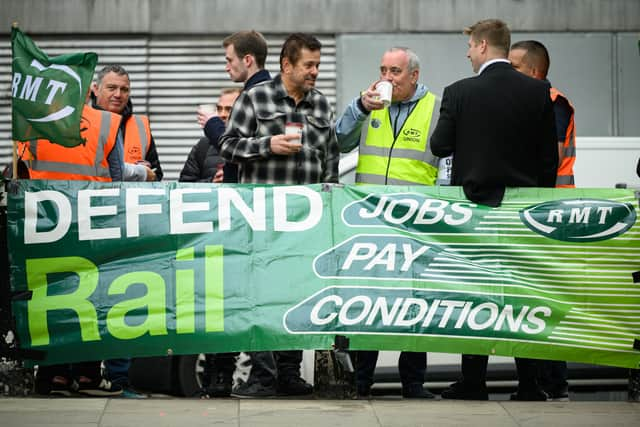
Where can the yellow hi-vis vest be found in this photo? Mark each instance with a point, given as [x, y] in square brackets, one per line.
[405, 160]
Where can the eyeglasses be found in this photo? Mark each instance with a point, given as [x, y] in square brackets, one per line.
[221, 108]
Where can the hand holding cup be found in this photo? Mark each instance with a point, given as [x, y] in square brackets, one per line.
[370, 98]
[205, 112]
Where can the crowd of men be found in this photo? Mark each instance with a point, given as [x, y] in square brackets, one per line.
[504, 127]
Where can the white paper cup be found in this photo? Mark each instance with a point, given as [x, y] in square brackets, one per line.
[385, 88]
[293, 128]
[207, 109]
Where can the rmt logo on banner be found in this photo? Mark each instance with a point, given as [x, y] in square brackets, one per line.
[579, 220]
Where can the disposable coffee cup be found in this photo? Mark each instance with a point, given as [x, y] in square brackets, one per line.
[207, 109]
[385, 88]
[293, 128]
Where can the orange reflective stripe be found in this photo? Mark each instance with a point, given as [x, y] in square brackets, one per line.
[565, 178]
[88, 161]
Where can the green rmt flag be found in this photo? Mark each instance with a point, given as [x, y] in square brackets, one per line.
[48, 93]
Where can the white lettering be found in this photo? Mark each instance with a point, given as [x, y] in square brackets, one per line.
[315, 312]
[30, 89]
[280, 215]
[376, 212]
[14, 85]
[507, 314]
[461, 209]
[555, 215]
[450, 306]
[579, 215]
[410, 256]
[178, 207]
[410, 205]
[408, 308]
[386, 257]
[55, 87]
[463, 315]
[539, 323]
[58, 229]
[432, 311]
[488, 321]
[135, 209]
[604, 211]
[437, 210]
[380, 307]
[356, 254]
[255, 218]
[86, 212]
[361, 313]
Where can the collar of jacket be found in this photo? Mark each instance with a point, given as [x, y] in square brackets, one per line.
[259, 77]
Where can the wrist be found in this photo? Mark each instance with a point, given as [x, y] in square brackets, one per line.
[360, 104]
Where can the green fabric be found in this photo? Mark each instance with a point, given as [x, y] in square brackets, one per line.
[109, 270]
[48, 93]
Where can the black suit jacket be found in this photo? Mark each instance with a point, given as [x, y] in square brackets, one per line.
[500, 128]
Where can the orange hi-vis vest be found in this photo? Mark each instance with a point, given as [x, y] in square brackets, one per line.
[137, 138]
[565, 177]
[86, 162]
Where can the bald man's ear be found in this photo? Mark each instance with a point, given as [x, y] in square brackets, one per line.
[94, 88]
[537, 73]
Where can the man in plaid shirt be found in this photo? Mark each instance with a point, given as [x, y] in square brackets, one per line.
[255, 136]
[256, 139]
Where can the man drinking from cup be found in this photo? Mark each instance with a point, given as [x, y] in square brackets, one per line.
[391, 122]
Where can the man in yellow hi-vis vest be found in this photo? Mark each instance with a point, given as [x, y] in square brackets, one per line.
[392, 139]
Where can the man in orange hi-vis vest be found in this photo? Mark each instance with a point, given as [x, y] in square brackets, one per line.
[532, 58]
[98, 159]
[95, 160]
[111, 92]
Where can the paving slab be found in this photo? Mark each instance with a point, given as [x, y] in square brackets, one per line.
[441, 413]
[578, 414]
[383, 412]
[170, 413]
[40, 412]
[307, 413]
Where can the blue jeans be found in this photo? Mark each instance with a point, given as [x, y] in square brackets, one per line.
[118, 371]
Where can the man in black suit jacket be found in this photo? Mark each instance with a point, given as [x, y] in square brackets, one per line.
[499, 126]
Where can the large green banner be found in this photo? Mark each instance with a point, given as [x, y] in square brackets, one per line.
[106, 270]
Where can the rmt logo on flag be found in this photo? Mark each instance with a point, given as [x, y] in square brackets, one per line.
[48, 93]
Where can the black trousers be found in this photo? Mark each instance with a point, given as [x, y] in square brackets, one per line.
[474, 372]
[270, 366]
[412, 367]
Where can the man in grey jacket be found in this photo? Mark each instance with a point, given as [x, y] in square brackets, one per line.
[392, 141]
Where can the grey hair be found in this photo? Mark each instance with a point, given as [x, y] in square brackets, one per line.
[414, 61]
[118, 69]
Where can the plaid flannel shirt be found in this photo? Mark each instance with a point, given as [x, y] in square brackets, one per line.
[262, 112]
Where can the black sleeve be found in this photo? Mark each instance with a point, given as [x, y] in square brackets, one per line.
[563, 115]
[443, 138]
[548, 149]
[193, 168]
[152, 158]
[213, 129]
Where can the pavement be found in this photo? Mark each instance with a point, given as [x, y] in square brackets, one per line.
[391, 411]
